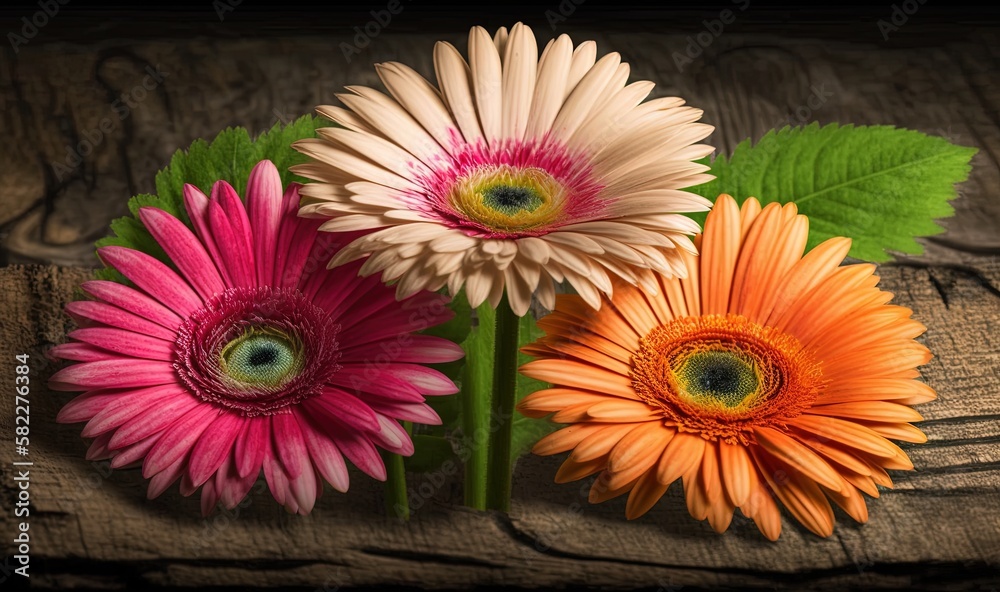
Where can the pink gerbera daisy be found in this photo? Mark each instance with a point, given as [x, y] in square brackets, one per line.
[248, 354]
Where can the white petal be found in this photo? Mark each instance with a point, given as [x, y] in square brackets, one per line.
[484, 62]
[454, 80]
[519, 71]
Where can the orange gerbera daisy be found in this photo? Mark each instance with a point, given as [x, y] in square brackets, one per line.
[765, 371]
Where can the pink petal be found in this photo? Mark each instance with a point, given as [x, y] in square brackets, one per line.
[362, 453]
[303, 489]
[393, 322]
[362, 380]
[185, 250]
[295, 241]
[213, 447]
[126, 342]
[275, 476]
[288, 441]
[87, 405]
[224, 194]
[145, 425]
[237, 260]
[232, 488]
[359, 296]
[251, 444]
[178, 439]
[125, 407]
[99, 449]
[419, 349]
[159, 482]
[427, 380]
[133, 453]
[209, 498]
[196, 204]
[124, 373]
[117, 317]
[80, 352]
[343, 408]
[133, 301]
[264, 208]
[325, 455]
[153, 277]
[392, 436]
[415, 412]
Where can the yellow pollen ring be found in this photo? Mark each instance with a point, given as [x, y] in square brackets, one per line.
[721, 376]
[509, 199]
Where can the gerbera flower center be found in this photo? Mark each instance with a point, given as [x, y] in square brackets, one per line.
[262, 356]
[723, 375]
[257, 350]
[508, 199]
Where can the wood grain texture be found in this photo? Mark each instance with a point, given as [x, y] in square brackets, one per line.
[56, 96]
[939, 527]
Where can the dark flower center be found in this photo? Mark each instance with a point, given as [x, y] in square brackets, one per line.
[257, 350]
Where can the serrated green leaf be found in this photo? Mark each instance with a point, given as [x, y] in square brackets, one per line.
[230, 157]
[880, 186]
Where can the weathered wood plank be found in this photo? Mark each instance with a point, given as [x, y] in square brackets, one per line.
[938, 528]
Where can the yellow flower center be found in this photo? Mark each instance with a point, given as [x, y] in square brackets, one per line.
[721, 376]
[509, 199]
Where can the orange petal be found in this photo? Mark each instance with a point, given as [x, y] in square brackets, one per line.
[682, 454]
[737, 471]
[620, 410]
[798, 456]
[869, 411]
[763, 510]
[720, 248]
[851, 501]
[637, 452]
[647, 491]
[800, 494]
[845, 432]
[809, 271]
[601, 441]
[601, 492]
[899, 431]
[577, 374]
[571, 470]
[564, 439]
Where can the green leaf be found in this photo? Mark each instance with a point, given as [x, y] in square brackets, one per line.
[434, 450]
[229, 157]
[879, 185]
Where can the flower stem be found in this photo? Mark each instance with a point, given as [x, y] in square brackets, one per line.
[396, 501]
[475, 426]
[502, 406]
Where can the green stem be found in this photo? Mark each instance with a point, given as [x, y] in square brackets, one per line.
[476, 427]
[502, 406]
[396, 501]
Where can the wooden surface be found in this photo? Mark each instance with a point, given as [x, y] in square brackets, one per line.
[93, 528]
[940, 526]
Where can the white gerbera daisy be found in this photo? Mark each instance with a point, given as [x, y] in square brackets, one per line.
[515, 172]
